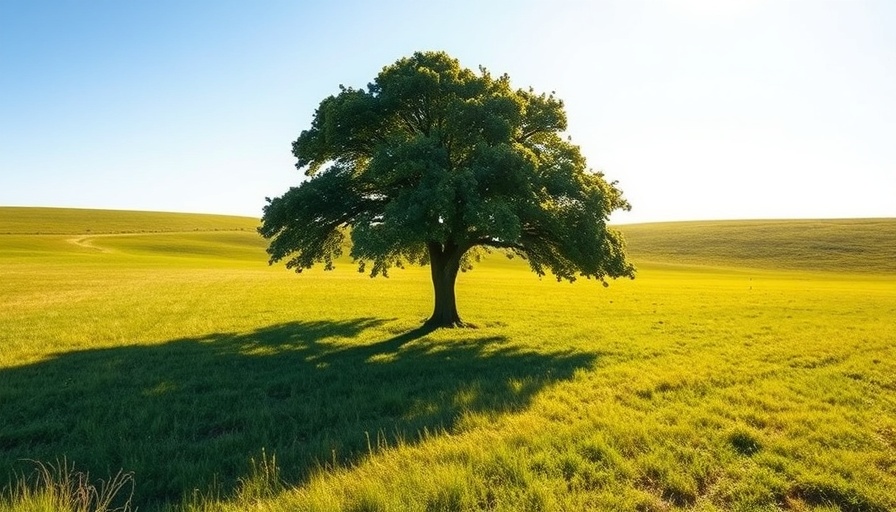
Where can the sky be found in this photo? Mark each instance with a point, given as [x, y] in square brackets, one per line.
[700, 109]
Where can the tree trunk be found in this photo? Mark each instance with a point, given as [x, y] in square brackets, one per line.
[444, 264]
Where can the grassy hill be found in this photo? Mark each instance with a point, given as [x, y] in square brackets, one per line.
[76, 221]
[836, 245]
[164, 346]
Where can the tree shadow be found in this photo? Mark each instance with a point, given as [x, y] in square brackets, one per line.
[189, 413]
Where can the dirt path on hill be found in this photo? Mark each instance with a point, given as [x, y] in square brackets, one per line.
[87, 243]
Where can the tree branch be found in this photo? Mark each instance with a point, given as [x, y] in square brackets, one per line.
[522, 138]
[498, 244]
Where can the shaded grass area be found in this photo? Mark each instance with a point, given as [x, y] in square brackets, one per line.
[836, 245]
[189, 413]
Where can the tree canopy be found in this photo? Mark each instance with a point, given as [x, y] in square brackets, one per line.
[432, 163]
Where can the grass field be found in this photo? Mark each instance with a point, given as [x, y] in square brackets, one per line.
[750, 366]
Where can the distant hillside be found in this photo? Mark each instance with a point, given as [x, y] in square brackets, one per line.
[76, 221]
[841, 245]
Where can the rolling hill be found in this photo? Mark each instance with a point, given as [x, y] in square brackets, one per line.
[833, 245]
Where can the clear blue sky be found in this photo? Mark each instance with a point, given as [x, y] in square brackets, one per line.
[701, 109]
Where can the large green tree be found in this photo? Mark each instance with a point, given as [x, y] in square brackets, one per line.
[433, 163]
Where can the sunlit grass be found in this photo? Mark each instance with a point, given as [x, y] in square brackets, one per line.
[223, 384]
[837, 245]
[59, 486]
[54, 221]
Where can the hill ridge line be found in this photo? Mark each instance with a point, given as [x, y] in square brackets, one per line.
[140, 232]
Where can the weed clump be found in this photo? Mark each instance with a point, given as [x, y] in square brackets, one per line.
[59, 487]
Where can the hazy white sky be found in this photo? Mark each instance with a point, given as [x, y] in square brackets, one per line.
[701, 109]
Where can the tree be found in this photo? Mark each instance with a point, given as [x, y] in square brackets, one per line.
[434, 163]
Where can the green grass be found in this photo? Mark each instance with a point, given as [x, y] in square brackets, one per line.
[711, 382]
[75, 221]
[837, 245]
